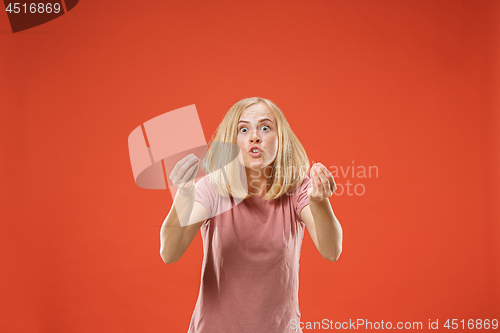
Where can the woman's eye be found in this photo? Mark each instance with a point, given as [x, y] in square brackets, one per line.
[265, 128]
[243, 129]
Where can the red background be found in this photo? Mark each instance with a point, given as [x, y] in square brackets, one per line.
[408, 86]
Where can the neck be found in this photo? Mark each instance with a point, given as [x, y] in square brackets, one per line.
[258, 181]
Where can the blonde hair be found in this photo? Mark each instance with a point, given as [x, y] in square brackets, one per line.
[225, 172]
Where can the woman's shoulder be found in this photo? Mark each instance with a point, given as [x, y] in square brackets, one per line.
[204, 185]
[206, 181]
[303, 185]
[299, 197]
[203, 180]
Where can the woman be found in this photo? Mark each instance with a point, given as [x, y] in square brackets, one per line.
[251, 248]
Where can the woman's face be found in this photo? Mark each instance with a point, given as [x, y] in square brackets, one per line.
[257, 137]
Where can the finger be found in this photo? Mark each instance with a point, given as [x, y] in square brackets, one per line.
[323, 169]
[186, 166]
[329, 176]
[323, 189]
[313, 174]
[195, 172]
[323, 178]
[179, 164]
[317, 180]
[189, 173]
[333, 186]
[187, 177]
[311, 177]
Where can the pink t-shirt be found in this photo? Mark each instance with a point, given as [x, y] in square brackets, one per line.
[250, 271]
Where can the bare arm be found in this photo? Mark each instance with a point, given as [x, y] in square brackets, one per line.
[321, 222]
[174, 237]
[185, 216]
[324, 228]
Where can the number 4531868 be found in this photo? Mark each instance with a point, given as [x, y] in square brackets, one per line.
[33, 8]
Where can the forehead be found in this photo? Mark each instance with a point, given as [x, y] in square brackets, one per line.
[256, 111]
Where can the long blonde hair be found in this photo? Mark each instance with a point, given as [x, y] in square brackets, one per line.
[225, 173]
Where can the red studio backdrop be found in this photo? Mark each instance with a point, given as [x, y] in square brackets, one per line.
[406, 89]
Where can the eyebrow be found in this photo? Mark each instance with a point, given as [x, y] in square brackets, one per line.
[260, 120]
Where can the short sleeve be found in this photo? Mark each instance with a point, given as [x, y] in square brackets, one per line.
[300, 199]
[205, 195]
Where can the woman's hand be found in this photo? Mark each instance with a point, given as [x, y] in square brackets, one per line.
[184, 173]
[323, 184]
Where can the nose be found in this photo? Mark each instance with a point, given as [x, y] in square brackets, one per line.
[254, 138]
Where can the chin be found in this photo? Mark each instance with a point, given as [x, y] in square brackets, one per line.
[254, 166]
[258, 166]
